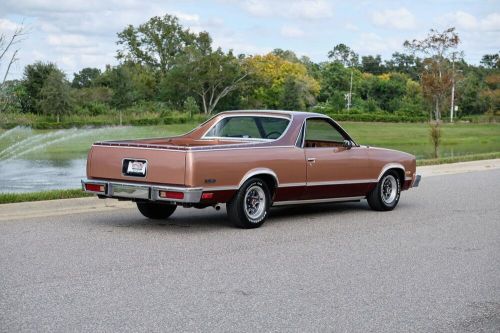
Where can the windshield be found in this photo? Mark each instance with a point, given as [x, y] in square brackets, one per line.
[249, 127]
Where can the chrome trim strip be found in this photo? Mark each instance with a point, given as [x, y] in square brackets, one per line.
[292, 184]
[391, 166]
[300, 202]
[190, 149]
[259, 171]
[220, 188]
[183, 150]
[342, 182]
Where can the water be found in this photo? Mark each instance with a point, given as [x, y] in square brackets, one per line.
[27, 163]
[39, 175]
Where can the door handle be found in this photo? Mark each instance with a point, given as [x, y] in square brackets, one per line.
[311, 159]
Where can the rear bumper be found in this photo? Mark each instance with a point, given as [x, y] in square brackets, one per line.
[416, 181]
[138, 191]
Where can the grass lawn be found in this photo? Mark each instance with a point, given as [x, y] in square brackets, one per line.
[457, 139]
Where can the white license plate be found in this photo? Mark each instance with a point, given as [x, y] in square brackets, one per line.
[136, 168]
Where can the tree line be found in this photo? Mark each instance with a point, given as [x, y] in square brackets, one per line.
[166, 67]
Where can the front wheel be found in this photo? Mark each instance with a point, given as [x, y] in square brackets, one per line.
[385, 196]
[156, 211]
[249, 208]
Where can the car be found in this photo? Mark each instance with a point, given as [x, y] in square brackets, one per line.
[249, 161]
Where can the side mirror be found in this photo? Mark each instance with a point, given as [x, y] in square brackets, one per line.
[347, 144]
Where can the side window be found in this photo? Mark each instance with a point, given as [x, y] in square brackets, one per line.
[321, 133]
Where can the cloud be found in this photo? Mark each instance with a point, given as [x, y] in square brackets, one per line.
[8, 26]
[401, 19]
[291, 32]
[68, 40]
[468, 22]
[491, 22]
[372, 43]
[311, 9]
[298, 9]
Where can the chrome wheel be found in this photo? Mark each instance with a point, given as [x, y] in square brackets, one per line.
[389, 189]
[255, 203]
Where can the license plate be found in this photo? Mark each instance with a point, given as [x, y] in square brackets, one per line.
[135, 168]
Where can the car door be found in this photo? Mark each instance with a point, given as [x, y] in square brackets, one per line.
[333, 170]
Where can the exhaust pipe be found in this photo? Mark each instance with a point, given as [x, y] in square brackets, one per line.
[217, 207]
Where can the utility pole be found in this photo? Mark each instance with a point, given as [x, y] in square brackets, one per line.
[349, 97]
[452, 107]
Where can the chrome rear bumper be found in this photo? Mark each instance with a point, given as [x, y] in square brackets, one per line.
[143, 191]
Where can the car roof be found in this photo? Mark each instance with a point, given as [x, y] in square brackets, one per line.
[277, 112]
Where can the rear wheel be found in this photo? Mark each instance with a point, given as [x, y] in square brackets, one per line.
[249, 208]
[385, 196]
[155, 210]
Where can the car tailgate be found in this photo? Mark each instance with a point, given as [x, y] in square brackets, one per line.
[163, 166]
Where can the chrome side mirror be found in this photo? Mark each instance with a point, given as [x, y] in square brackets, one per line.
[347, 144]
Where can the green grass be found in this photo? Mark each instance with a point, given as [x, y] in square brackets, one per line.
[44, 195]
[456, 159]
[457, 140]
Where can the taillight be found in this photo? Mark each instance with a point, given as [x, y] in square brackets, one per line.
[207, 196]
[171, 195]
[95, 187]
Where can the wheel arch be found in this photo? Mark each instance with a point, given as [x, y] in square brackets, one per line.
[267, 175]
[397, 167]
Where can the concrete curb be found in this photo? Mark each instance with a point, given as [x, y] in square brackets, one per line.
[25, 210]
[461, 167]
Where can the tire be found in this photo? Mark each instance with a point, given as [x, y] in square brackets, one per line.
[250, 206]
[385, 196]
[156, 211]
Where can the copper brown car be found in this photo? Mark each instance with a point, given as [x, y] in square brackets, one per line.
[250, 161]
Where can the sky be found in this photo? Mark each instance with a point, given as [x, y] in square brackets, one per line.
[82, 33]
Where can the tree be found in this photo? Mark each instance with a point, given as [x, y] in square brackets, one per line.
[268, 75]
[158, 43]
[33, 80]
[9, 51]
[373, 65]
[436, 77]
[491, 60]
[288, 55]
[211, 75]
[55, 95]
[343, 54]
[336, 83]
[85, 78]
[124, 93]
[405, 63]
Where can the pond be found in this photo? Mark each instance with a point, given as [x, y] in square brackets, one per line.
[38, 175]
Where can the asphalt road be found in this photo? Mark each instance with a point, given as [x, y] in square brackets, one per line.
[431, 265]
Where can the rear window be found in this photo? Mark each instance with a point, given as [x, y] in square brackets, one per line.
[249, 127]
